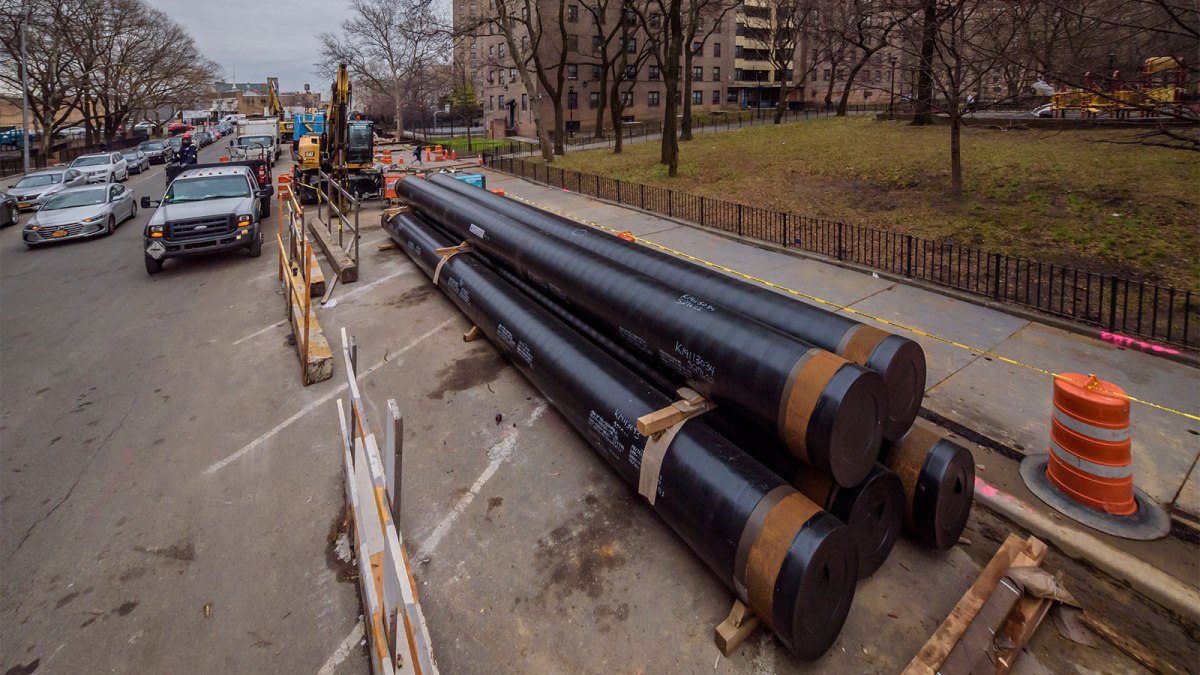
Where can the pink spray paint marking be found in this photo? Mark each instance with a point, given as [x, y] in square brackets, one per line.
[1126, 341]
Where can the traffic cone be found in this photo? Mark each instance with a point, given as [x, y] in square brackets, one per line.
[454, 155]
[1088, 473]
[428, 155]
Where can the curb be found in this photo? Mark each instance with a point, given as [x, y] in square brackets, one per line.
[1149, 581]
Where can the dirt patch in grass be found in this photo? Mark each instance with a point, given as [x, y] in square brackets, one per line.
[1069, 197]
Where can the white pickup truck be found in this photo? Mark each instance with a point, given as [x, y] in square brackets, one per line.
[257, 138]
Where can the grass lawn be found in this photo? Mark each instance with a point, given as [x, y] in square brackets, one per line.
[1057, 196]
[460, 144]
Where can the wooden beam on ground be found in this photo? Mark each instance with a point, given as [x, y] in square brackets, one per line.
[934, 653]
[341, 262]
[319, 366]
[733, 631]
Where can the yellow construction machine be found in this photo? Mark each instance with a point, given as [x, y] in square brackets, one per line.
[344, 151]
[276, 110]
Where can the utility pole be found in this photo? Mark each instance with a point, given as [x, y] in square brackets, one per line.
[25, 92]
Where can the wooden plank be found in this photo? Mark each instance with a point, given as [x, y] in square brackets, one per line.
[1022, 623]
[933, 654]
[318, 366]
[343, 265]
[1132, 648]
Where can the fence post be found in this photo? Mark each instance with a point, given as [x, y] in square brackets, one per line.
[393, 458]
[908, 251]
[739, 220]
[642, 190]
[670, 202]
[701, 210]
[597, 192]
[839, 241]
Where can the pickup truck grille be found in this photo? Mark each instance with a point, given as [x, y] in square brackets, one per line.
[199, 227]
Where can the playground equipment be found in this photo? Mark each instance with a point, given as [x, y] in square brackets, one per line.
[1160, 88]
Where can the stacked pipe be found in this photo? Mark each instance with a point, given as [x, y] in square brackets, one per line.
[808, 394]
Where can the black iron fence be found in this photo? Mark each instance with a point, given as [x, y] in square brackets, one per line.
[1123, 307]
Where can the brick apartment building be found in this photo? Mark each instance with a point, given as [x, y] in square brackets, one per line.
[731, 70]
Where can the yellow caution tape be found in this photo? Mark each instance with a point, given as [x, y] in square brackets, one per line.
[813, 298]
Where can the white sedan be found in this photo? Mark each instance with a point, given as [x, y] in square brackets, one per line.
[105, 167]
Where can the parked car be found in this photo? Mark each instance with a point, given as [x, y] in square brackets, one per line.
[147, 126]
[178, 127]
[8, 210]
[137, 160]
[72, 132]
[202, 139]
[175, 142]
[36, 187]
[79, 213]
[159, 152]
[1043, 111]
[105, 167]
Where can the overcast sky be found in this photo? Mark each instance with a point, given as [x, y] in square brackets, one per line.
[261, 39]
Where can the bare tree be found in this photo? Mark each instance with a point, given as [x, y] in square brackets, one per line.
[865, 27]
[388, 45]
[789, 18]
[665, 44]
[701, 19]
[624, 75]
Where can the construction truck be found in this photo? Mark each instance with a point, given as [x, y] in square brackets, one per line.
[345, 150]
[309, 122]
[276, 110]
[257, 138]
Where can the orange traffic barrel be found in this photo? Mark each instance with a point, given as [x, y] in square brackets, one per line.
[428, 155]
[1088, 472]
[387, 156]
[453, 154]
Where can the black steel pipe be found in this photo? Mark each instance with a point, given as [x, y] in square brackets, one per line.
[899, 360]
[826, 410]
[793, 564]
[939, 483]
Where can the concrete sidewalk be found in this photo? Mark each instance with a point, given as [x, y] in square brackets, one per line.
[1008, 404]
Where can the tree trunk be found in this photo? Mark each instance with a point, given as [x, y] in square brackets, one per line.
[615, 110]
[686, 124]
[923, 99]
[844, 102]
[782, 105]
[599, 132]
[559, 125]
[955, 153]
[396, 94]
[670, 142]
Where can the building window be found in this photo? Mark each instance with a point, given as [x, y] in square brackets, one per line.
[524, 101]
[491, 103]
[593, 100]
[697, 73]
[698, 48]
[652, 99]
[738, 51]
[630, 73]
[524, 43]
[491, 51]
[572, 13]
[655, 20]
[697, 97]
[630, 17]
[878, 76]
[716, 49]
[814, 76]
[512, 74]
[741, 29]
[631, 46]
[500, 50]
[731, 96]
[572, 71]
[596, 45]
[596, 73]
[716, 74]
[716, 96]
[825, 75]
[627, 99]
[500, 101]
[653, 74]
[491, 77]
[572, 99]
[572, 43]
[739, 74]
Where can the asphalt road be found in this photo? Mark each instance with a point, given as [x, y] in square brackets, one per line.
[120, 549]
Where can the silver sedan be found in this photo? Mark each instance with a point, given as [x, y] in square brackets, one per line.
[136, 160]
[80, 213]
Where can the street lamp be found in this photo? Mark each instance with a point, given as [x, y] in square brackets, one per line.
[892, 88]
[572, 102]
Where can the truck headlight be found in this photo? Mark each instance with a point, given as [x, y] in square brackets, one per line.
[155, 231]
[244, 221]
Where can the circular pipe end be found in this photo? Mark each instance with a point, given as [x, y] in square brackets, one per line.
[846, 427]
[815, 586]
[874, 511]
[901, 362]
[945, 490]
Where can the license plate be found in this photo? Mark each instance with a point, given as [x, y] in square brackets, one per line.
[58, 233]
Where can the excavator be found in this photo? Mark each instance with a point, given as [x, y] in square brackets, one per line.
[276, 110]
[345, 150]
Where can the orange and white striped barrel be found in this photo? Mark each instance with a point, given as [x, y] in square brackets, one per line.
[1090, 459]
[387, 157]
[285, 186]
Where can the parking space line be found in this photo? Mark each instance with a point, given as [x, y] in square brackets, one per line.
[343, 650]
[217, 466]
[406, 267]
[258, 332]
[499, 452]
